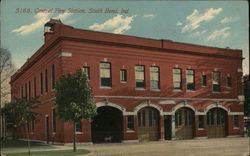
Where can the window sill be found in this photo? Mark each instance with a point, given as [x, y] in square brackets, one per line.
[203, 86]
[102, 87]
[228, 87]
[130, 131]
[123, 81]
[79, 132]
[201, 129]
[141, 89]
[236, 127]
[191, 91]
[53, 133]
[177, 90]
[216, 92]
[155, 90]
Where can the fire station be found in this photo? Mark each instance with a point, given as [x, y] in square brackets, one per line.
[144, 89]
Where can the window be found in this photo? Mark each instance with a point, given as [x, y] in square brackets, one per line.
[78, 126]
[29, 89]
[54, 120]
[139, 76]
[34, 85]
[123, 75]
[46, 80]
[154, 78]
[41, 83]
[153, 118]
[130, 122]
[21, 91]
[32, 126]
[26, 94]
[142, 118]
[229, 81]
[201, 121]
[105, 74]
[177, 78]
[236, 121]
[216, 81]
[53, 82]
[178, 119]
[203, 80]
[190, 79]
[87, 72]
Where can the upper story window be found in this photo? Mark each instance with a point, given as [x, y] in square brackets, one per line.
[236, 121]
[190, 79]
[46, 80]
[41, 83]
[203, 80]
[139, 76]
[53, 80]
[229, 81]
[86, 70]
[105, 74]
[123, 75]
[29, 89]
[21, 92]
[34, 85]
[216, 81]
[154, 78]
[26, 94]
[177, 78]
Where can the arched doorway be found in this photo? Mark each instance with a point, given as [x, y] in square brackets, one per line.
[216, 123]
[148, 124]
[107, 126]
[184, 123]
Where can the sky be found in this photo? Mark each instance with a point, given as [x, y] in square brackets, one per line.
[210, 23]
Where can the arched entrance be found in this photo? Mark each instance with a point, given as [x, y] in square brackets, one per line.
[216, 123]
[107, 126]
[148, 124]
[184, 123]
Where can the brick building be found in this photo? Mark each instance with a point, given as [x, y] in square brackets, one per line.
[144, 89]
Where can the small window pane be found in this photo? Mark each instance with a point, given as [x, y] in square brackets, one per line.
[123, 75]
[201, 121]
[78, 126]
[130, 122]
[236, 121]
[190, 79]
[229, 82]
[203, 80]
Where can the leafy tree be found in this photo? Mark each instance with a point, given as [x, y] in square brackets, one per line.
[74, 99]
[19, 113]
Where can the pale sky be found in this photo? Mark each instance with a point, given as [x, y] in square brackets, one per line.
[210, 23]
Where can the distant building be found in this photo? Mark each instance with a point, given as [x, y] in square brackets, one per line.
[144, 89]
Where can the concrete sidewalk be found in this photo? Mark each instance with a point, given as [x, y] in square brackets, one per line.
[205, 147]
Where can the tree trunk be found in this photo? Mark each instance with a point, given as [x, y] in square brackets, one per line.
[74, 136]
[28, 137]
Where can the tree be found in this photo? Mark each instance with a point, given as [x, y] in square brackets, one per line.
[6, 70]
[19, 113]
[74, 99]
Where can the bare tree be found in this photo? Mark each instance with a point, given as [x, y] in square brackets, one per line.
[6, 70]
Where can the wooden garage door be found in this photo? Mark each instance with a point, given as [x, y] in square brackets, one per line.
[148, 124]
[216, 123]
[184, 123]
